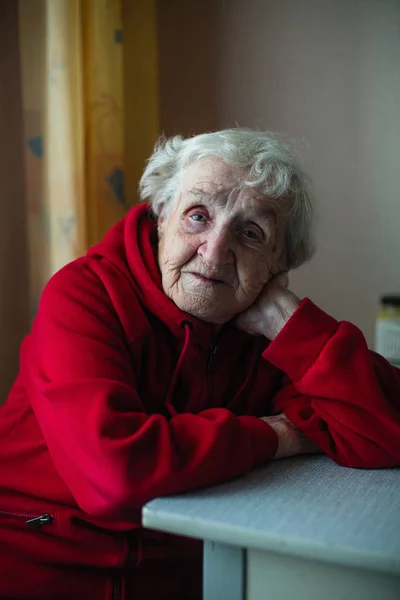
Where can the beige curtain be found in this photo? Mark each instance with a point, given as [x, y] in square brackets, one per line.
[89, 86]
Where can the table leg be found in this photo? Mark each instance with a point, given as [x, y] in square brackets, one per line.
[273, 576]
[223, 572]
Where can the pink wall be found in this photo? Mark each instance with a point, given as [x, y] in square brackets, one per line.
[326, 71]
[13, 250]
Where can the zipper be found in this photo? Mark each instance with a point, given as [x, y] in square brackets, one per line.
[210, 364]
[32, 520]
[211, 356]
[116, 586]
[118, 575]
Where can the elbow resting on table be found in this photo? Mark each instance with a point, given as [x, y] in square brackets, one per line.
[368, 456]
[116, 499]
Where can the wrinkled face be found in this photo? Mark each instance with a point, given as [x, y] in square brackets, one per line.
[219, 245]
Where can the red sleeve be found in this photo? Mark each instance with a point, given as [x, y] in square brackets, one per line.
[342, 396]
[110, 453]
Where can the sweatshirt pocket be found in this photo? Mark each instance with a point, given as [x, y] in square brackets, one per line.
[31, 534]
[29, 519]
[54, 535]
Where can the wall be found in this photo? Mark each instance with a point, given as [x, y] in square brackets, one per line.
[188, 32]
[324, 71]
[13, 252]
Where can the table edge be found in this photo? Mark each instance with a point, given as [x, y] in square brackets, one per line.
[240, 536]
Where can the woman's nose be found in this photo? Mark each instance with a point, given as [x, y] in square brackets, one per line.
[217, 248]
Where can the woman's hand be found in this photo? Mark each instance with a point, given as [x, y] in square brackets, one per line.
[291, 440]
[272, 309]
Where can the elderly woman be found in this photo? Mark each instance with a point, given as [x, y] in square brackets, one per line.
[173, 356]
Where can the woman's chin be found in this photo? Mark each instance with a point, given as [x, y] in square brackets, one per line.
[204, 309]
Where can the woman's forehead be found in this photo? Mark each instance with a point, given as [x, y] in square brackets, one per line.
[212, 181]
[212, 173]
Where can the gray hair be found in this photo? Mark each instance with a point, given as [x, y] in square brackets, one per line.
[273, 168]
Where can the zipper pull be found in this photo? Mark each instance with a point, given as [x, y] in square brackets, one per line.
[45, 519]
[211, 356]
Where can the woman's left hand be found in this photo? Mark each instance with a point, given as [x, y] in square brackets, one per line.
[291, 440]
[272, 309]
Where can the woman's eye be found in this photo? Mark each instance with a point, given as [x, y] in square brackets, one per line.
[250, 234]
[198, 217]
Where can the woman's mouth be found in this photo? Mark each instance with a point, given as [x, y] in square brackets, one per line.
[206, 279]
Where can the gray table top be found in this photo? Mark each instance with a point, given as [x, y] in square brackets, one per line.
[303, 506]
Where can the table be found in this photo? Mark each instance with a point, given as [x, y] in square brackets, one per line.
[301, 528]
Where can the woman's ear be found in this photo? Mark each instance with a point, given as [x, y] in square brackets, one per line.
[161, 222]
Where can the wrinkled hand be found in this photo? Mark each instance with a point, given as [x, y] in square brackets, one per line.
[272, 309]
[291, 440]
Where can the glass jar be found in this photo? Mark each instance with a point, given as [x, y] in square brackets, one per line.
[387, 333]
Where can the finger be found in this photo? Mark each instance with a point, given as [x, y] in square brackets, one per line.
[282, 279]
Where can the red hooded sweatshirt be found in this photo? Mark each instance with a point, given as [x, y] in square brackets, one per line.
[122, 397]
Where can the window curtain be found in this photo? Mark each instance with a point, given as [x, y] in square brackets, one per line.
[90, 118]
